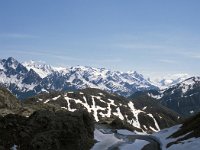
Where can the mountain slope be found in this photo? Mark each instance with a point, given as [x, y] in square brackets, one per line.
[83, 77]
[184, 98]
[184, 136]
[104, 106]
[30, 78]
[8, 103]
[17, 78]
[169, 80]
[40, 68]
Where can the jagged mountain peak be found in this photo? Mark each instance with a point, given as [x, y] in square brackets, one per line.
[36, 64]
[39, 67]
[77, 77]
[43, 69]
[10, 63]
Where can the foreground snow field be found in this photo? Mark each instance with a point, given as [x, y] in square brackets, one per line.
[108, 140]
[191, 144]
[122, 139]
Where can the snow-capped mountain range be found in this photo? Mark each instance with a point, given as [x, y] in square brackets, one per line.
[30, 78]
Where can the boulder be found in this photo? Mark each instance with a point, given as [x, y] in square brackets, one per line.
[47, 130]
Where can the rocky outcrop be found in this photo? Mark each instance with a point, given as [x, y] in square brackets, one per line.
[8, 103]
[47, 130]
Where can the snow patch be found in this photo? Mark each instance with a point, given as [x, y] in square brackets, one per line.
[105, 140]
[137, 145]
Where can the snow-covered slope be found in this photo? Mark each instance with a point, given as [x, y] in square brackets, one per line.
[44, 77]
[183, 97]
[103, 105]
[39, 67]
[169, 80]
[81, 77]
[184, 136]
[109, 140]
[42, 69]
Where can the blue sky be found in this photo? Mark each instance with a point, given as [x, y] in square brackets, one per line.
[153, 37]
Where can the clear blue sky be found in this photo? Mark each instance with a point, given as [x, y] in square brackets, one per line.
[150, 36]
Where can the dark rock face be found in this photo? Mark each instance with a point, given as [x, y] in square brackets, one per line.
[8, 102]
[47, 130]
[31, 77]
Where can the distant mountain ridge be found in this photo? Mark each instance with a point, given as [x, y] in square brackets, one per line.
[166, 81]
[183, 97]
[30, 78]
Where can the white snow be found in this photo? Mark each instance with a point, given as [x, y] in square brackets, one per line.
[39, 67]
[192, 111]
[44, 90]
[1, 66]
[14, 147]
[40, 99]
[134, 122]
[95, 109]
[105, 140]
[137, 145]
[169, 80]
[155, 96]
[189, 144]
[101, 94]
[144, 108]
[108, 140]
[46, 101]
[55, 98]
[156, 124]
[125, 132]
[112, 102]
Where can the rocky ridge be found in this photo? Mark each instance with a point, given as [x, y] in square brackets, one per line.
[107, 107]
